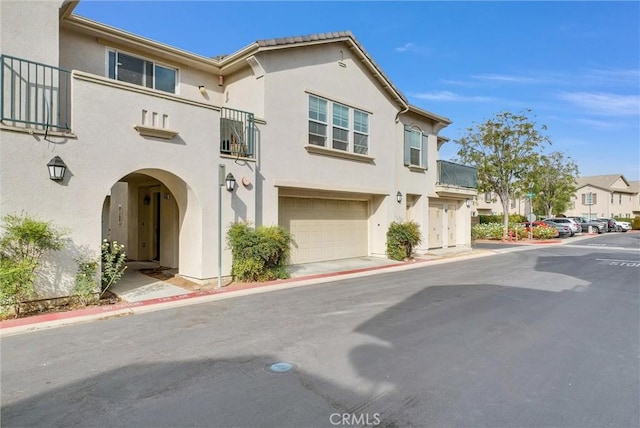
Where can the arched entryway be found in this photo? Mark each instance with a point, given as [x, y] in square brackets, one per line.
[142, 213]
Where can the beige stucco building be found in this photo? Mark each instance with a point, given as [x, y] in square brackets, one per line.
[596, 196]
[317, 137]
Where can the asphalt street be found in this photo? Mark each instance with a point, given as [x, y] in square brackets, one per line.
[531, 337]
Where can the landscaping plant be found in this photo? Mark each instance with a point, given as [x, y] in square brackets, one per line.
[22, 246]
[402, 237]
[113, 260]
[259, 254]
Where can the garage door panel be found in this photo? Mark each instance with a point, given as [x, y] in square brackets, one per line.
[325, 229]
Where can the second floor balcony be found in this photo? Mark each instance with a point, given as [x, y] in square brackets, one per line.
[34, 95]
[455, 180]
[40, 98]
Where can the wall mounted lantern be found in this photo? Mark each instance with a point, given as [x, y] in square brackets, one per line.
[230, 182]
[57, 168]
[399, 197]
[146, 200]
[468, 203]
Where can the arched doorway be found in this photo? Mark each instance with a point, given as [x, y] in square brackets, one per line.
[142, 212]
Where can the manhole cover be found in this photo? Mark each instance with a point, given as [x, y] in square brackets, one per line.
[281, 367]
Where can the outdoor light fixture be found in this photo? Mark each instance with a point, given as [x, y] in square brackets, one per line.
[146, 200]
[202, 89]
[399, 197]
[230, 182]
[468, 203]
[57, 168]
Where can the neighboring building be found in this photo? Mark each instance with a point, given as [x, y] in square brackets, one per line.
[317, 137]
[598, 196]
[605, 196]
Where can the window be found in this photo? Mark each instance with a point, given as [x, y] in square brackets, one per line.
[340, 127]
[131, 69]
[589, 198]
[620, 198]
[360, 132]
[317, 121]
[349, 126]
[415, 147]
[612, 198]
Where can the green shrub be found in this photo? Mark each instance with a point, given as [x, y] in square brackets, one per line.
[259, 254]
[401, 238]
[85, 286]
[542, 232]
[499, 218]
[22, 245]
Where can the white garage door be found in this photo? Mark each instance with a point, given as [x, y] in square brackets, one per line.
[325, 229]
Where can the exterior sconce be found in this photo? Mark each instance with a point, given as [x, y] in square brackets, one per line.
[57, 168]
[399, 197]
[230, 182]
[146, 200]
[202, 89]
[221, 80]
[468, 203]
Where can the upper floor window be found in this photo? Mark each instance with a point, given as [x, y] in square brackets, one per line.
[415, 147]
[589, 198]
[139, 71]
[620, 198]
[349, 130]
[612, 198]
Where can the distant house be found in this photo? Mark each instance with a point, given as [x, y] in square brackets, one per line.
[605, 196]
[316, 137]
[601, 196]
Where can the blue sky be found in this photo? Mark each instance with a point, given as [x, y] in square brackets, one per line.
[576, 65]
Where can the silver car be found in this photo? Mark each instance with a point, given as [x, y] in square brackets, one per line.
[573, 225]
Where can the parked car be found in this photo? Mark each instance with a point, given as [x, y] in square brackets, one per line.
[611, 224]
[623, 226]
[563, 229]
[573, 225]
[596, 226]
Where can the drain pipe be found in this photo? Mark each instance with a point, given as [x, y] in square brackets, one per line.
[221, 177]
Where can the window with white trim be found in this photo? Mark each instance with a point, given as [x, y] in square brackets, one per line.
[349, 130]
[139, 71]
[415, 147]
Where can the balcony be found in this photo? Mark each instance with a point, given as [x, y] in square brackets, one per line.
[456, 180]
[237, 133]
[34, 96]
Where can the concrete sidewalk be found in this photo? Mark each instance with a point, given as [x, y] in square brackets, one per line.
[143, 293]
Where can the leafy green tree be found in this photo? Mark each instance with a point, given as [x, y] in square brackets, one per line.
[554, 182]
[504, 150]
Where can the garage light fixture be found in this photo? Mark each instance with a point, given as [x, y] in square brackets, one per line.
[399, 197]
[468, 203]
[230, 182]
[57, 168]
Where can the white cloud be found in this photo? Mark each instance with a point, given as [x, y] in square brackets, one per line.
[407, 47]
[507, 78]
[450, 96]
[413, 48]
[603, 103]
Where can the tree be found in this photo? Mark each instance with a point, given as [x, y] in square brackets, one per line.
[554, 182]
[504, 150]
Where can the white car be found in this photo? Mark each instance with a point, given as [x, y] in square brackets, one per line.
[573, 225]
[623, 226]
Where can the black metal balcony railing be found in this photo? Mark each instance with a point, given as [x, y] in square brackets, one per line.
[237, 133]
[454, 174]
[34, 95]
